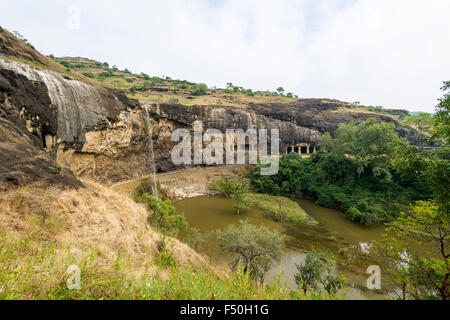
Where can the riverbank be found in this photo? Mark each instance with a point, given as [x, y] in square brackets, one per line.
[345, 239]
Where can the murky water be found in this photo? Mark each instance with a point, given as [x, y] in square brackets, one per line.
[335, 233]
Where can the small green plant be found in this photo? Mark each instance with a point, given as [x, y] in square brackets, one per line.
[165, 259]
[59, 167]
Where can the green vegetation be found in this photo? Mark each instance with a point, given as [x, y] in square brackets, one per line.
[366, 171]
[31, 269]
[163, 215]
[238, 188]
[233, 187]
[254, 248]
[195, 238]
[249, 92]
[230, 186]
[280, 207]
[318, 268]
[422, 227]
[22, 38]
[442, 117]
[200, 89]
[88, 74]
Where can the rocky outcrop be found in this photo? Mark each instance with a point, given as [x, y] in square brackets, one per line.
[101, 134]
[53, 120]
[222, 118]
[85, 127]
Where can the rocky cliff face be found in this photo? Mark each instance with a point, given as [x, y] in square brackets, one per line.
[236, 118]
[51, 121]
[79, 124]
[101, 134]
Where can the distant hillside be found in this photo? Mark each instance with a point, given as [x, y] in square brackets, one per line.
[153, 89]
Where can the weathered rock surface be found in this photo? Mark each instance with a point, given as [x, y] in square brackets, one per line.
[50, 119]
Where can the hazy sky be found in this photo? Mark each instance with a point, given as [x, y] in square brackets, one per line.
[394, 53]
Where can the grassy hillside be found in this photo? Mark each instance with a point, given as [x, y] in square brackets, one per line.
[44, 231]
[153, 89]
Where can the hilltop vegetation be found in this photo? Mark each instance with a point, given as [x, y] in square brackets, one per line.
[148, 88]
[164, 89]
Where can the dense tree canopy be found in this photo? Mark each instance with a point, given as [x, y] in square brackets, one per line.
[366, 170]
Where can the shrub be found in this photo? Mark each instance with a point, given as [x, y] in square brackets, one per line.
[200, 89]
[88, 74]
[163, 215]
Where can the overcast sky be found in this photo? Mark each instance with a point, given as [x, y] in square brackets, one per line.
[393, 53]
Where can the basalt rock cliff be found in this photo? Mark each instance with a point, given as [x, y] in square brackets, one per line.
[56, 126]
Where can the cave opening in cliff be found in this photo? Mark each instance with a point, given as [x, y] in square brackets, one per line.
[296, 149]
[44, 134]
[304, 150]
[311, 149]
[289, 150]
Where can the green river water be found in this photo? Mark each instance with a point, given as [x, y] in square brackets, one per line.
[334, 232]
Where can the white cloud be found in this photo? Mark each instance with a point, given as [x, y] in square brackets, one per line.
[379, 52]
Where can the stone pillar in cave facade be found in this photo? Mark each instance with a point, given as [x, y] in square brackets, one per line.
[302, 149]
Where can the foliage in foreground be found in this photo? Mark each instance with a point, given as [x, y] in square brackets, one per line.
[30, 269]
[417, 252]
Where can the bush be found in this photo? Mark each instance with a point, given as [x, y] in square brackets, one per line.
[106, 74]
[200, 89]
[65, 64]
[163, 215]
[88, 74]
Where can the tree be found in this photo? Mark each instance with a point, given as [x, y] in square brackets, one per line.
[196, 238]
[418, 276]
[441, 118]
[311, 273]
[369, 145]
[254, 248]
[163, 216]
[145, 76]
[280, 91]
[423, 123]
[233, 187]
